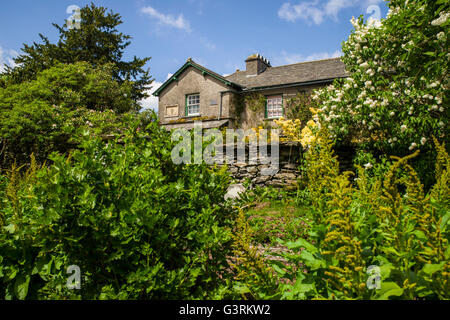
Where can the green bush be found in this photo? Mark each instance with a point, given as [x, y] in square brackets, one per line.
[138, 226]
[385, 220]
[48, 113]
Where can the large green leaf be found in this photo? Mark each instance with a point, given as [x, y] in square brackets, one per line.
[302, 243]
[21, 286]
[311, 261]
[388, 289]
[430, 269]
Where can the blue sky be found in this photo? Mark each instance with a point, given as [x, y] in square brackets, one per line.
[218, 34]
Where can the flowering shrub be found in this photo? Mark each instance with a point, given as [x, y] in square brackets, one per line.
[294, 130]
[385, 223]
[396, 96]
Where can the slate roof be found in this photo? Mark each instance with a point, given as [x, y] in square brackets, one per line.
[304, 72]
[191, 63]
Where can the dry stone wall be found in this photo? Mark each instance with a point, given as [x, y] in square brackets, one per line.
[287, 173]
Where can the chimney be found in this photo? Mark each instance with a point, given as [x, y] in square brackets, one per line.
[256, 64]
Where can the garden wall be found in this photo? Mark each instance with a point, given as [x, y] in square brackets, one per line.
[288, 173]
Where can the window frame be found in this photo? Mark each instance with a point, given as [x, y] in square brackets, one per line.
[187, 106]
[282, 106]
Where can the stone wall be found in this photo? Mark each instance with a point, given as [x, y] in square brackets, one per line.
[287, 174]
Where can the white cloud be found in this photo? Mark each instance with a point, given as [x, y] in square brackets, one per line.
[290, 58]
[151, 102]
[6, 58]
[317, 11]
[168, 19]
[304, 10]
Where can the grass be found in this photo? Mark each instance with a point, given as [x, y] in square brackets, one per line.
[273, 220]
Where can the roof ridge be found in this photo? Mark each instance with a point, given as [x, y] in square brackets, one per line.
[192, 63]
[311, 61]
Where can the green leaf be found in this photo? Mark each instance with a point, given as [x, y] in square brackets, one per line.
[42, 266]
[420, 235]
[21, 286]
[385, 270]
[445, 221]
[302, 243]
[430, 269]
[310, 261]
[11, 228]
[278, 267]
[388, 289]
[390, 250]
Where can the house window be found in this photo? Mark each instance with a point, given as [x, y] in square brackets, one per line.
[193, 105]
[274, 107]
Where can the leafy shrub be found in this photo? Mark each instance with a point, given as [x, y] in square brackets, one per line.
[137, 225]
[388, 222]
[396, 97]
[48, 113]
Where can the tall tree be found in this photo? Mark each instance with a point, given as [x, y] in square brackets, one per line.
[97, 42]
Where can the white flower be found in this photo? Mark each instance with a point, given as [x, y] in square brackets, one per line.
[412, 146]
[441, 36]
[423, 140]
[368, 166]
[403, 128]
[441, 19]
[392, 113]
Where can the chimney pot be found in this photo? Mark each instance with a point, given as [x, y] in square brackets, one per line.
[256, 64]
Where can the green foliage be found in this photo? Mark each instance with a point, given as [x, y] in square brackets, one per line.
[254, 278]
[138, 226]
[396, 97]
[299, 106]
[256, 102]
[271, 221]
[49, 113]
[383, 219]
[386, 221]
[97, 42]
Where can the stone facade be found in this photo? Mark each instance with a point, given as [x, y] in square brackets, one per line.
[213, 96]
[220, 96]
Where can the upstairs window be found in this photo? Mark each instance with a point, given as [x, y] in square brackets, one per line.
[274, 107]
[193, 105]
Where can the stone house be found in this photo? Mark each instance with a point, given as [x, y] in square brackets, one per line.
[197, 93]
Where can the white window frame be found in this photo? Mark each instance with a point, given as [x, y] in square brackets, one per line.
[192, 103]
[274, 109]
